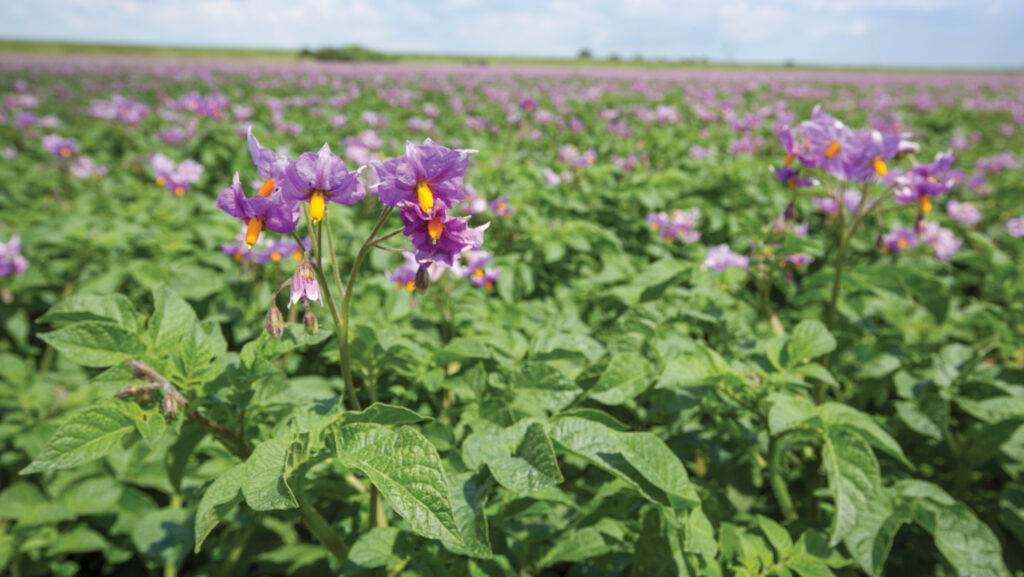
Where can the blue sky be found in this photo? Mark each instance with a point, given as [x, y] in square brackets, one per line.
[962, 33]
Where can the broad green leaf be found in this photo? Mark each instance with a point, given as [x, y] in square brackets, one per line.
[642, 460]
[224, 493]
[265, 486]
[693, 368]
[521, 458]
[468, 494]
[699, 534]
[809, 340]
[871, 539]
[172, 319]
[95, 344]
[87, 435]
[788, 411]
[581, 545]
[408, 471]
[853, 478]
[777, 535]
[1011, 509]
[379, 547]
[538, 385]
[968, 545]
[382, 414]
[78, 539]
[656, 553]
[809, 566]
[26, 504]
[165, 535]
[836, 414]
[78, 308]
[917, 421]
[627, 375]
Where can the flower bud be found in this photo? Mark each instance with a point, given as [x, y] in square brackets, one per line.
[275, 322]
[422, 279]
[310, 322]
[789, 214]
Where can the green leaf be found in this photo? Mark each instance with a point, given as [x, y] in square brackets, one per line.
[172, 319]
[223, 494]
[871, 539]
[809, 340]
[581, 545]
[787, 412]
[538, 385]
[809, 566]
[165, 535]
[836, 415]
[917, 420]
[88, 435]
[521, 458]
[78, 539]
[968, 545]
[1011, 509]
[699, 535]
[78, 308]
[657, 553]
[95, 344]
[408, 471]
[378, 547]
[853, 478]
[693, 368]
[642, 460]
[777, 535]
[627, 375]
[26, 504]
[468, 494]
[382, 414]
[265, 486]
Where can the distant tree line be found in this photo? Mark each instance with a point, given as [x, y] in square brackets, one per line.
[347, 54]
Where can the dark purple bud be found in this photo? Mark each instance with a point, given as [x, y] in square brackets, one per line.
[422, 279]
[790, 213]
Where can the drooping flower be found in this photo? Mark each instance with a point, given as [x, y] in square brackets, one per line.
[318, 178]
[427, 174]
[258, 211]
[305, 286]
[721, 257]
[899, 239]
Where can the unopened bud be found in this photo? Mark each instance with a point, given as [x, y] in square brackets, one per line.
[170, 406]
[422, 279]
[790, 213]
[275, 322]
[310, 322]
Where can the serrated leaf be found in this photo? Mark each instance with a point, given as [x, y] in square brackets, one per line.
[809, 340]
[408, 471]
[627, 375]
[642, 460]
[85, 436]
[224, 493]
[265, 486]
[95, 344]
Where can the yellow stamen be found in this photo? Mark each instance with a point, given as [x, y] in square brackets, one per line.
[274, 256]
[252, 231]
[65, 152]
[654, 226]
[435, 228]
[832, 150]
[788, 160]
[926, 204]
[902, 243]
[409, 286]
[792, 183]
[179, 191]
[161, 181]
[501, 206]
[267, 187]
[479, 273]
[238, 256]
[317, 206]
[399, 285]
[425, 196]
[298, 255]
[879, 164]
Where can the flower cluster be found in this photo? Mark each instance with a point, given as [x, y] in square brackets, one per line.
[175, 177]
[721, 257]
[12, 263]
[679, 224]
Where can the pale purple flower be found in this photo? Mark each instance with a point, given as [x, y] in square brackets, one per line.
[304, 284]
[12, 263]
[1015, 227]
[721, 257]
[965, 212]
[899, 239]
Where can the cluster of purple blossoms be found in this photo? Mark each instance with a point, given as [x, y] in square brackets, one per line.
[119, 109]
[924, 181]
[175, 177]
[12, 263]
[829, 205]
[208, 106]
[281, 249]
[60, 147]
[965, 212]
[899, 239]
[941, 240]
[424, 184]
[475, 270]
[721, 257]
[1015, 227]
[679, 224]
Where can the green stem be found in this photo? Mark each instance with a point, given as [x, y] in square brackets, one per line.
[334, 257]
[378, 518]
[319, 527]
[227, 567]
[776, 451]
[837, 280]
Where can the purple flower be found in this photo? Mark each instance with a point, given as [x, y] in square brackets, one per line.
[899, 239]
[721, 257]
[826, 138]
[276, 250]
[658, 220]
[270, 167]
[12, 263]
[177, 178]
[405, 275]
[528, 104]
[941, 240]
[965, 212]
[84, 167]
[797, 260]
[318, 178]
[237, 251]
[59, 146]
[304, 284]
[792, 178]
[697, 151]
[1015, 227]
[924, 181]
[258, 211]
[425, 174]
[438, 237]
[501, 207]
